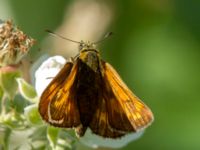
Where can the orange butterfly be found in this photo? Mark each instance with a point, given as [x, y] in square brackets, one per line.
[89, 93]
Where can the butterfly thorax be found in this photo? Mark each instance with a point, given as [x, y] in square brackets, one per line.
[90, 57]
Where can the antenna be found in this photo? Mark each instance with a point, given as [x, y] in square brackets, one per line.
[105, 37]
[62, 37]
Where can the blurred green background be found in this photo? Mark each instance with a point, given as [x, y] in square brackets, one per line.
[155, 49]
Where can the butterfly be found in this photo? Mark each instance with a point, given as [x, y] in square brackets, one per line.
[89, 93]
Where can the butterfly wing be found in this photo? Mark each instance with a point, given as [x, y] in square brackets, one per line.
[119, 111]
[100, 123]
[139, 115]
[58, 105]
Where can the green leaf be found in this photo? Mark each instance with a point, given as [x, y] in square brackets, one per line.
[39, 135]
[67, 139]
[19, 103]
[52, 135]
[32, 114]
[27, 91]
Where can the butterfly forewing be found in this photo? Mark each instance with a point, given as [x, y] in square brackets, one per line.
[138, 114]
[58, 105]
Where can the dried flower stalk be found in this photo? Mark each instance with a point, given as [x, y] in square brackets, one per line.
[14, 44]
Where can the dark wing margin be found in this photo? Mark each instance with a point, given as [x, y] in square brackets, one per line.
[119, 111]
[58, 105]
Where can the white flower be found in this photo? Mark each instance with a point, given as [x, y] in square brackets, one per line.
[47, 71]
[96, 141]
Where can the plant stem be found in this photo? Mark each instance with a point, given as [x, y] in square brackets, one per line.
[7, 138]
[3, 105]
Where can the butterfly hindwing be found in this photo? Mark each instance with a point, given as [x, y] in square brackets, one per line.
[117, 117]
[58, 105]
[100, 124]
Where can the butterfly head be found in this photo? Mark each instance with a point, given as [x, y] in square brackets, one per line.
[86, 45]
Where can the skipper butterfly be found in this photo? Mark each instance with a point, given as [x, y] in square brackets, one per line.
[89, 93]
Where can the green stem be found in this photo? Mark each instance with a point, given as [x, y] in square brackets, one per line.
[7, 138]
[3, 105]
